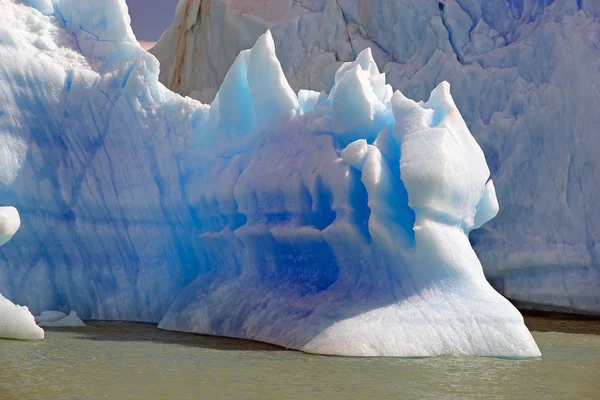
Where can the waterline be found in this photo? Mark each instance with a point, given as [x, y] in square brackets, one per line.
[138, 361]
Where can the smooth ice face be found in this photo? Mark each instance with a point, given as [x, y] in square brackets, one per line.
[524, 76]
[333, 224]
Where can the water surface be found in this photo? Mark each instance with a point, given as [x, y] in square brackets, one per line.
[117, 360]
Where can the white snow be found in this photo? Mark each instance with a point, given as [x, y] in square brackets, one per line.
[243, 218]
[523, 74]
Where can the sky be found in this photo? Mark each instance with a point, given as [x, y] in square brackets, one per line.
[150, 18]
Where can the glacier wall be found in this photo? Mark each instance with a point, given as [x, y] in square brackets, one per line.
[333, 224]
[524, 76]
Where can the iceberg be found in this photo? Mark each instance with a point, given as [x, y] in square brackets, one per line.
[49, 316]
[59, 319]
[16, 322]
[524, 77]
[332, 224]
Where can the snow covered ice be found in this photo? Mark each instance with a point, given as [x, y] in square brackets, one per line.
[333, 224]
[523, 74]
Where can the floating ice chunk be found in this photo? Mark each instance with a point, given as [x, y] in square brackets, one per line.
[49, 316]
[71, 320]
[16, 322]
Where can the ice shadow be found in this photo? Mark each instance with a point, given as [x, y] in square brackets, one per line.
[120, 331]
[540, 321]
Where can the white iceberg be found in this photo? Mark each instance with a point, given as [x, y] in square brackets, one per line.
[16, 322]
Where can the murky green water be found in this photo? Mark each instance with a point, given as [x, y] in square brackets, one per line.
[137, 361]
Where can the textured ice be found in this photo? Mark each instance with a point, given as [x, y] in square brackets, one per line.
[262, 216]
[16, 322]
[524, 76]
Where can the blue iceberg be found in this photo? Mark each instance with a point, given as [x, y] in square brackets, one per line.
[523, 74]
[332, 224]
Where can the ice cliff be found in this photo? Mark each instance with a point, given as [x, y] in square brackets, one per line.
[333, 224]
[523, 74]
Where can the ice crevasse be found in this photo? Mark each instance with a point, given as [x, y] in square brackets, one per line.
[332, 224]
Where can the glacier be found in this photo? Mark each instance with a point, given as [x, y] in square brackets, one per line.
[329, 223]
[524, 76]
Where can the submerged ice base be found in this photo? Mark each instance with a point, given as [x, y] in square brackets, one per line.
[333, 224]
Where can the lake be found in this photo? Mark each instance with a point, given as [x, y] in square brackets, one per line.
[123, 360]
